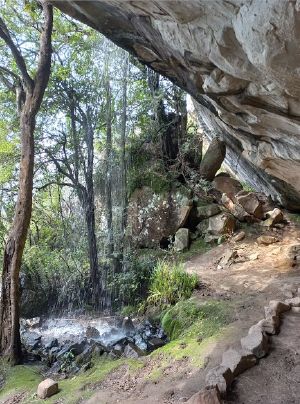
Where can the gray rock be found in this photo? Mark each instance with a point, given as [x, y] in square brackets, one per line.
[182, 239]
[92, 332]
[279, 307]
[238, 360]
[256, 342]
[132, 351]
[220, 376]
[293, 302]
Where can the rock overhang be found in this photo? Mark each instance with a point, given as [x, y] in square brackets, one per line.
[241, 63]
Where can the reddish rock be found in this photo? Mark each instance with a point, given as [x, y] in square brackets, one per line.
[206, 396]
[250, 202]
[228, 186]
[213, 159]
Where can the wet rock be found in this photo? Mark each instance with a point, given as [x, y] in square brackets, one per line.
[223, 223]
[52, 343]
[213, 159]
[266, 240]
[274, 216]
[227, 185]
[34, 322]
[206, 396]
[239, 236]
[256, 342]
[155, 343]
[132, 351]
[182, 239]
[238, 360]
[220, 376]
[47, 388]
[76, 348]
[92, 332]
[250, 202]
[128, 326]
[31, 340]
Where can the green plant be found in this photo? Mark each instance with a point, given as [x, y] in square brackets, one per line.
[67, 362]
[169, 284]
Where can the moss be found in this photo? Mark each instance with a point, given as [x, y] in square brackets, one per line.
[26, 378]
[19, 378]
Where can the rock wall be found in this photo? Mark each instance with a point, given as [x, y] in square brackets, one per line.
[240, 60]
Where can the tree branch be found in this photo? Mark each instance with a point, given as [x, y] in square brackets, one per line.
[5, 35]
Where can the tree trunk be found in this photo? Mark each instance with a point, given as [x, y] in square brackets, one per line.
[10, 341]
[123, 168]
[9, 310]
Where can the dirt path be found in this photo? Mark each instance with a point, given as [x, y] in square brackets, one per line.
[260, 274]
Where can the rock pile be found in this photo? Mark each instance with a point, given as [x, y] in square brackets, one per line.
[70, 353]
[253, 347]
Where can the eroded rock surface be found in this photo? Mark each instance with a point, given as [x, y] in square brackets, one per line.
[239, 60]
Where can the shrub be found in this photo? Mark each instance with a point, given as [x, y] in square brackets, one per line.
[169, 284]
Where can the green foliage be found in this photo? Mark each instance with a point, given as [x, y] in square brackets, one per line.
[191, 318]
[133, 283]
[169, 284]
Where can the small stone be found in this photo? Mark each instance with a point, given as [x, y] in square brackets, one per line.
[220, 376]
[253, 257]
[256, 342]
[206, 396]
[238, 360]
[293, 302]
[47, 388]
[239, 236]
[274, 217]
[266, 240]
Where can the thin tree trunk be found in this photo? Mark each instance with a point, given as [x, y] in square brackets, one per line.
[10, 342]
[110, 240]
[123, 153]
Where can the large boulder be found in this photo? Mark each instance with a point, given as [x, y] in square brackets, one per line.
[213, 159]
[154, 217]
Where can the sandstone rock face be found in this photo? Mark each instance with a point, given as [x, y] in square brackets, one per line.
[153, 217]
[238, 59]
[206, 396]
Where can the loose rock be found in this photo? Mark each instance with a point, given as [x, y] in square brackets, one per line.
[294, 302]
[228, 186]
[274, 216]
[182, 239]
[47, 388]
[213, 159]
[223, 223]
[266, 240]
[132, 351]
[239, 236]
[279, 307]
[206, 396]
[251, 204]
[220, 376]
[256, 342]
[238, 360]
